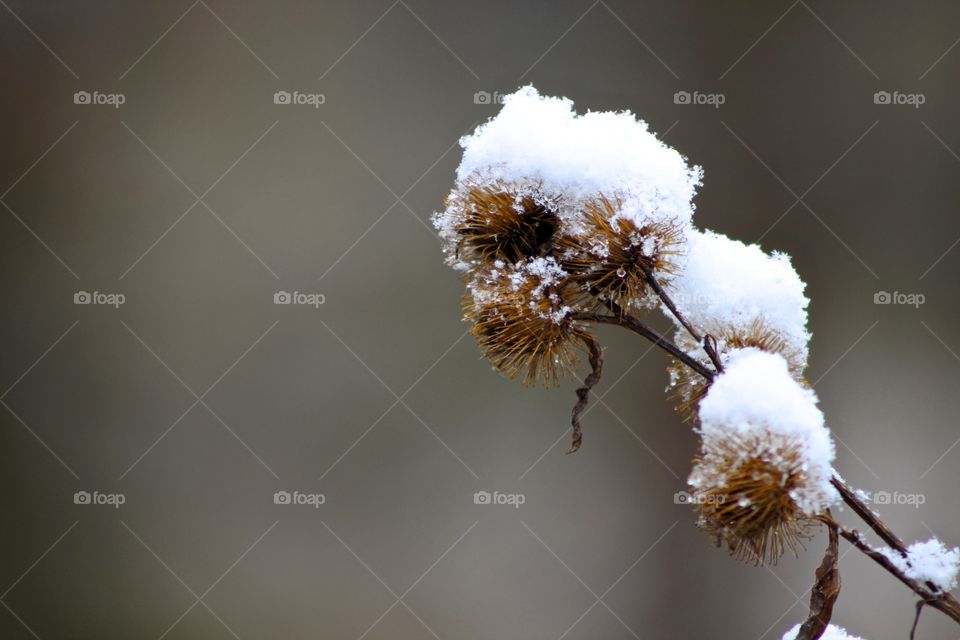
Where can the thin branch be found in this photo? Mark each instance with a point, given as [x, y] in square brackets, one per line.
[706, 342]
[867, 515]
[942, 602]
[916, 619]
[631, 323]
[583, 393]
[929, 593]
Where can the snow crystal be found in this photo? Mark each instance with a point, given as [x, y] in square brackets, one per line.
[529, 281]
[832, 632]
[929, 561]
[756, 395]
[540, 140]
[726, 285]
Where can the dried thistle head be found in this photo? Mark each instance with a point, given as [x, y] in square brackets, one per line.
[490, 222]
[523, 320]
[688, 387]
[611, 256]
[745, 489]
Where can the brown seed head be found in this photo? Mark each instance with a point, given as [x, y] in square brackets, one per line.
[742, 490]
[494, 223]
[689, 387]
[522, 317]
[611, 256]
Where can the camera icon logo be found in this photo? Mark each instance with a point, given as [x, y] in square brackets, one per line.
[82, 297]
[881, 497]
[482, 497]
[682, 497]
[281, 497]
[482, 97]
[882, 297]
[881, 97]
[81, 497]
[282, 297]
[81, 97]
[682, 97]
[281, 97]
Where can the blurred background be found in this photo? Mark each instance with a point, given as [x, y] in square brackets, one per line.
[184, 169]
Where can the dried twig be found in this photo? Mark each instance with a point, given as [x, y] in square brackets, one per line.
[595, 354]
[943, 602]
[825, 590]
[631, 323]
[916, 619]
[867, 515]
[707, 342]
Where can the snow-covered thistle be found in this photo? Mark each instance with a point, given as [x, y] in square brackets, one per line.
[763, 473]
[522, 318]
[560, 221]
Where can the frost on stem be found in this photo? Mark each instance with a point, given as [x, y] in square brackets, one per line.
[929, 561]
[832, 632]
[764, 468]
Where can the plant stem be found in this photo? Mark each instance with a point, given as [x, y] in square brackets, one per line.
[825, 590]
[867, 515]
[705, 342]
[583, 393]
[942, 602]
[631, 323]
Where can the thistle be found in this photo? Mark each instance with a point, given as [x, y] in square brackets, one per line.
[688, 388]
[487, 223]
[743, 490]
[523, 320]
[613, 257]
[763, 472]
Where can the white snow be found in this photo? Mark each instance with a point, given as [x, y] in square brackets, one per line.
[929, 561]
[726, 284]
[757, 396]
[832, 632]
[540, 141]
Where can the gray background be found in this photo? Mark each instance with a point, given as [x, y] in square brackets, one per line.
[376, 399]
